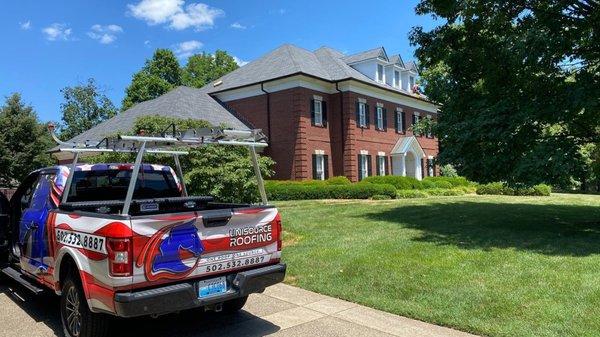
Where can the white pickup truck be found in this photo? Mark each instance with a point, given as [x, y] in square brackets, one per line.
[126, 240]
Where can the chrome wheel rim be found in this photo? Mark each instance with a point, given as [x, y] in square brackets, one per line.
[72, 314]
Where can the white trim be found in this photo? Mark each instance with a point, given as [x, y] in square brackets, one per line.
[399, 109]
[364, 152]
[321, 152]
[328, 88]
[318, 98]
[379, 105]
[381, 153]
[429, 157]
[362, 100]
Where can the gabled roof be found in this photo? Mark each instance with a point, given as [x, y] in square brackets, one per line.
[408, 144]
[367, 55]
[397, 59]
[411, 65]
[181, 102]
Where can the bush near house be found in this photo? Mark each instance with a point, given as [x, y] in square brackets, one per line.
[501, 189]
[409, 183]
[306, 190]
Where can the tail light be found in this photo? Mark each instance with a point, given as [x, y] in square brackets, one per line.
[277, 223]
[120, 259]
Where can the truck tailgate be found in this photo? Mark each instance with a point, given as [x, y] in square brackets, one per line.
[172, 247]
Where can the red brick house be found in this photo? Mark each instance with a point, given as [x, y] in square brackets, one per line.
[326, 114]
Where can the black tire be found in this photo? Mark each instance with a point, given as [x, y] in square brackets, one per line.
[235, 305]
[76, 318]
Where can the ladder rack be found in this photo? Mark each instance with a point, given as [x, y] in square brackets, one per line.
[164, 143]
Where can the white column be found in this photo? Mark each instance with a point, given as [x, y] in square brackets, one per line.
[418, 171]
[403, 164]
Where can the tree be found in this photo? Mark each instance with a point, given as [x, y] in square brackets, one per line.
[85, 106]
[23, 141]
[518, 83]
[203, 68]
[160, 74]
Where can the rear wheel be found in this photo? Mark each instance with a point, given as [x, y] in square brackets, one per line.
[77, 319]
[235, 305]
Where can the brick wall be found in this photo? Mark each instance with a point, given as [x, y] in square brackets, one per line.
[293, 139]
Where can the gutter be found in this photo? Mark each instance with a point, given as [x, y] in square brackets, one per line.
[262, 88]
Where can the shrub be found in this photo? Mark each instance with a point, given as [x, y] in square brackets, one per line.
[448, 181]
[339, 180]
[305, 191]
[444, 191]
[401, 183]
[406, 194]
[501, 189]
[381, 197]
[448, 171]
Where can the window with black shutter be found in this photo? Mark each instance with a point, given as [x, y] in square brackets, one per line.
[326, 166]
[360, 167]
[369, 166]
[319, 167]
[403, 119]
[317, 115]
[384, 119]
[362, 115]
[324, 113]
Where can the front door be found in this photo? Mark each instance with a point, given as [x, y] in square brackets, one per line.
[33, 235]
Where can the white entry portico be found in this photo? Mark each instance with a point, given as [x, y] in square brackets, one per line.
[406, 158]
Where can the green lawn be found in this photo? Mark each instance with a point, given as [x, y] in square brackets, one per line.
[491, 265]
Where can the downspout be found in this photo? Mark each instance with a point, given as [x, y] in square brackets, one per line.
[262, 88]
[342, 122]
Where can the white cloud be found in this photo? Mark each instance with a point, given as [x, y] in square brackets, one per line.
[25, 25]
[197, 15]
[187, 48]
[57, 31]
[105, 34]
[239, 61]
[237, 25]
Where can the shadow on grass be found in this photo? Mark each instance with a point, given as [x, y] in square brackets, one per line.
[568, 230]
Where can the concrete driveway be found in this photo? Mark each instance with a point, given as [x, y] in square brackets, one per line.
[281, 311]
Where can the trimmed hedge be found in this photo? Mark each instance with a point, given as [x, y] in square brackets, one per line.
[452, 181]
[409, 194]
[399, 182]
[295, 191]
[501, 189]
[444, 192]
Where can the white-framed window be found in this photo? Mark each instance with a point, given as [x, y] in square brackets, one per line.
[318, 108]
[411, 81]
[380, 72]
[320, 167]
[400, 121]
[380, 118]
[381, 165]
[362, 114]
[365, 165]
[430, 167]
[396, 78]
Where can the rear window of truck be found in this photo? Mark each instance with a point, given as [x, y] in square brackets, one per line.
[99, 185]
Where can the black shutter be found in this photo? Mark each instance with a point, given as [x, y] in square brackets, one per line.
[384, 119]
[387, 166]
[414, 119]
[312, 112]
[434, 169]
[391, 165]
[360, 168]
[396, 121]
[377, 164]
[367, 116]
[324, 113]
[314, 166]
[326, 166]
[369, 166]
[403, 121]
[357, 113]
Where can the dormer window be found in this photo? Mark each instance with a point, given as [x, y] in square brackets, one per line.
[397, 78]
[411, 80]
[380, 72]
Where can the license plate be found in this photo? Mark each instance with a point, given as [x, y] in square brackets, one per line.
[214, 286]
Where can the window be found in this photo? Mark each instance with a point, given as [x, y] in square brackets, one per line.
[380, 118]
[430, 167]
[415, 121]
[411, 81]
[362, 115]
[318, 110]
[364, 166]
[399, 121]
[381, 165]
[397, 78]
[380, 72]
[320, 167]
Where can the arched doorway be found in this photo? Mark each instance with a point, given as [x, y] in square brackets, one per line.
[410, 164]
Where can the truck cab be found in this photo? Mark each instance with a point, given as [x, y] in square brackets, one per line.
[67, 232]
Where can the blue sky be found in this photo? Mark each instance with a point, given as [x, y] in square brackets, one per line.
[48, 45]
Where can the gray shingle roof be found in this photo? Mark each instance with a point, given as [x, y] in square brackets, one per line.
[397, 59]
[366, 55]
[181, 102]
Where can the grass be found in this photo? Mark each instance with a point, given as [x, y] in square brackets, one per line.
[491, 265]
